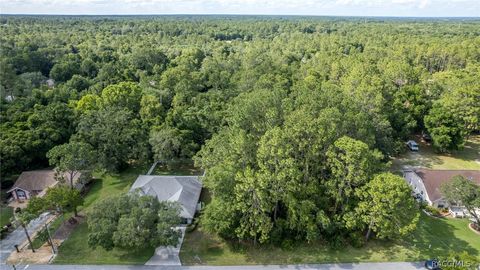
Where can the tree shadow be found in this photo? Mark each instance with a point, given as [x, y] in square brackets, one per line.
[433, 238]
[471, 150]
[436, 237]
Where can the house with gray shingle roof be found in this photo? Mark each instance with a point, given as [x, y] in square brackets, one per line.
[182, 189]
[36, 183]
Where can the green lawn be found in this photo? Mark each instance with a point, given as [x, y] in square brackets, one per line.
[444, 236]
[6, 213]
[75, 249]
[466, 159]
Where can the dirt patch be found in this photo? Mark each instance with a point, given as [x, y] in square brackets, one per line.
[42, 255]
[66, 228]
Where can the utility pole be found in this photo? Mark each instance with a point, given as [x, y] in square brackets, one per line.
[50, 238]
[28, 237]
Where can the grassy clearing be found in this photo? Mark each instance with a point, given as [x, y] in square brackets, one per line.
[6, 213]
[466, 159]
[433, 237]
[75, 249]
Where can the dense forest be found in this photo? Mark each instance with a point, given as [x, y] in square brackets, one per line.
[293, 118]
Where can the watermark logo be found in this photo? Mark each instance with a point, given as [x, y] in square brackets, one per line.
[436, 264]
[432, 264]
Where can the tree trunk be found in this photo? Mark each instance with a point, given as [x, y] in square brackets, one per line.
[50, 240]
[28, 237]
[474, 215]
[369, 231]
[71, 179]
[275, 211]
[75, 211]
[340, 194]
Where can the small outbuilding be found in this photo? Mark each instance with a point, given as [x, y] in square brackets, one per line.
[182, 189]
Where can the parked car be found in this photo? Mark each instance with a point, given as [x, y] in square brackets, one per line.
[412, 145]
[426, 137]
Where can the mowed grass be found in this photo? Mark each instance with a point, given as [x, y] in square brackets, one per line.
[75, 250]
[432, 238]
[465, 159]
[6, 213]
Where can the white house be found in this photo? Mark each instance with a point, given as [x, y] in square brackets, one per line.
[426, 185]
[182, 189]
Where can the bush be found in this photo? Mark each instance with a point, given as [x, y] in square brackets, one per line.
[40, 239]
[432, 210]
[191, 227]
[337, 242]
[3, 232]
[357, 240]
[287, 244]
[86, 177]
[277, 235]
[423, 205]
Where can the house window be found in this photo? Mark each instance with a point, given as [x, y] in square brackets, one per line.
[21, 194]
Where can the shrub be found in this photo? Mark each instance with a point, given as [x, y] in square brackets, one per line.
[357, 240]
[337, 242]
[287, 244]
[191, 227]
[432, 210]
[43, 236]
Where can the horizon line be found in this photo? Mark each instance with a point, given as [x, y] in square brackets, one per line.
[229, 14]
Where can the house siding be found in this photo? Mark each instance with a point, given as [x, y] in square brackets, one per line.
[417, 186]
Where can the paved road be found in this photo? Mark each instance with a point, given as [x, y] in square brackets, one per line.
[17, 237]
[343, 266]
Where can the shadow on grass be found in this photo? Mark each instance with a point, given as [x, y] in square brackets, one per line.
[471, 151]
[435, 237]
[432, 238]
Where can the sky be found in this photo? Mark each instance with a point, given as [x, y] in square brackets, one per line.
[400, 8]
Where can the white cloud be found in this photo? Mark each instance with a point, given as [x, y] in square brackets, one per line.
[309, 7]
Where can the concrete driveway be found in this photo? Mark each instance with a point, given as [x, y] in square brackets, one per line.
[168, 255]
[17, 237]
